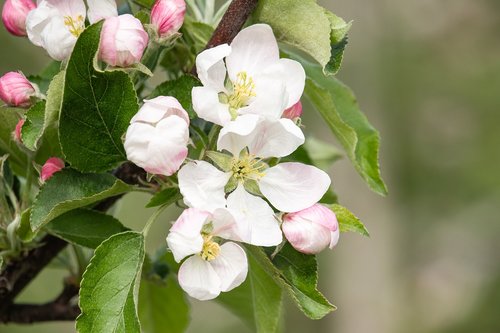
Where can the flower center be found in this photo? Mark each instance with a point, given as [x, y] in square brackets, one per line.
[75, 26]
[243, 90]
[248, 167]
[210, 249]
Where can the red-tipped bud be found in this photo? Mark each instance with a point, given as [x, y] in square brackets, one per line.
[17, 131]
[14, 14]
[16, 90]
[50, 167]
[293, 112]
[167, 16]
[311, 230]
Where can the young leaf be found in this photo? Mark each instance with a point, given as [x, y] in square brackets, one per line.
[348, 221]
[24, 231]
[32, 129]
[166, 197]
[339, 108]
[181, 89]
[17, 159]
[316, 31]
[45, 76]
[258, 301]
[68, 189]
[108, 291]
[300, 273]
[163, 307]
[96, 109]
[85, 227]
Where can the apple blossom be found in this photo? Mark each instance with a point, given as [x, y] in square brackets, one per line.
[14, 14]
[211, 268]
[51, 166]
[18, 129]
[167, 17]
[311, 230]
[257, 80]
[16, 90]
[123, 40]
[158, 135]
[293, 112]
[101, 9]
[289, 187]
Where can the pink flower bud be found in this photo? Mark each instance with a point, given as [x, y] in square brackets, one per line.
[14, 15]
[123, 40]
[16, 90]
[311, 230]
[293, 112]
[17, 131]
[50, 167]
[167, 16]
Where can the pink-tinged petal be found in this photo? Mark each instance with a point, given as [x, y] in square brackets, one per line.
[17, 131]
[16, 90]
[255, 220]
[253, 49]
[293, 112]
[311, 230]
[167, 16]
[101, 9]
[50, 167]
[292, 75]
[198, 279]
[211, 68]
[291, 187]
[207, 106]
[231, 266]
[238, 134]
[202, 185]
[185, 238]
[14, 15]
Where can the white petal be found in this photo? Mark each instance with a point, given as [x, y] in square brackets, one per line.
[291, 187]
[185, 237]
[202, 185]
[276, 138]
[71, 8]
[224, 224]
[292, 75]
[252, 50]
[270, 98]
[57, 40]
[238, 134]
[160, 107]
[37, 20]
[211, 68]
[207, 106]
[101, 9]
[199, 279]
[231, 266]
[255, 220]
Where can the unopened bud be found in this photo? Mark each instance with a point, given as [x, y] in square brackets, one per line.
[17, 131]
[50, 167]
[311, 230]
[14, 14]
[293, 112]
[167, 16]
[16, 90]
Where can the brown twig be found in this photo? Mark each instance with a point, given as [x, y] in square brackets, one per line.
[18, 274]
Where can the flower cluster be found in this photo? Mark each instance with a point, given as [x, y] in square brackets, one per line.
[239, 193]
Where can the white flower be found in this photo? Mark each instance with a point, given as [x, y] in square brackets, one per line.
[101, 9]
[289, 187]
[211, 268]
[257, 82]
[158, 135]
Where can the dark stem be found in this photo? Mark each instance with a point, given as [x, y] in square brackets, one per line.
[19, 273]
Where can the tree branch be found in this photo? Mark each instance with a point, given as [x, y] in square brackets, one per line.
[18, 274]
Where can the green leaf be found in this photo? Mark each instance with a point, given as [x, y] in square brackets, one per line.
[316, 31]
[322, 154]
[85, 227]
[32, 129]
[68, 189]
[258, 301]
[108, 292]
[145, 3]
[300, 273]
[166, 197]
[24, 231]
[348, 221]
[45, 77]
[180, 89]
[163, 307]
[8, 122]
[96, 109]
[339, 108]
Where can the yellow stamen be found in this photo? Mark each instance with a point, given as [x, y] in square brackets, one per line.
[210, 249]
[243, 90]
[75, 26]
[248, 166]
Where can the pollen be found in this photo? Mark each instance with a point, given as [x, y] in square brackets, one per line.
[75, 25]
[243, 91]
[210, 249]
[248, 167]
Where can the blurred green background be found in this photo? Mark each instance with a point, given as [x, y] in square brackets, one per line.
[427, 75]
